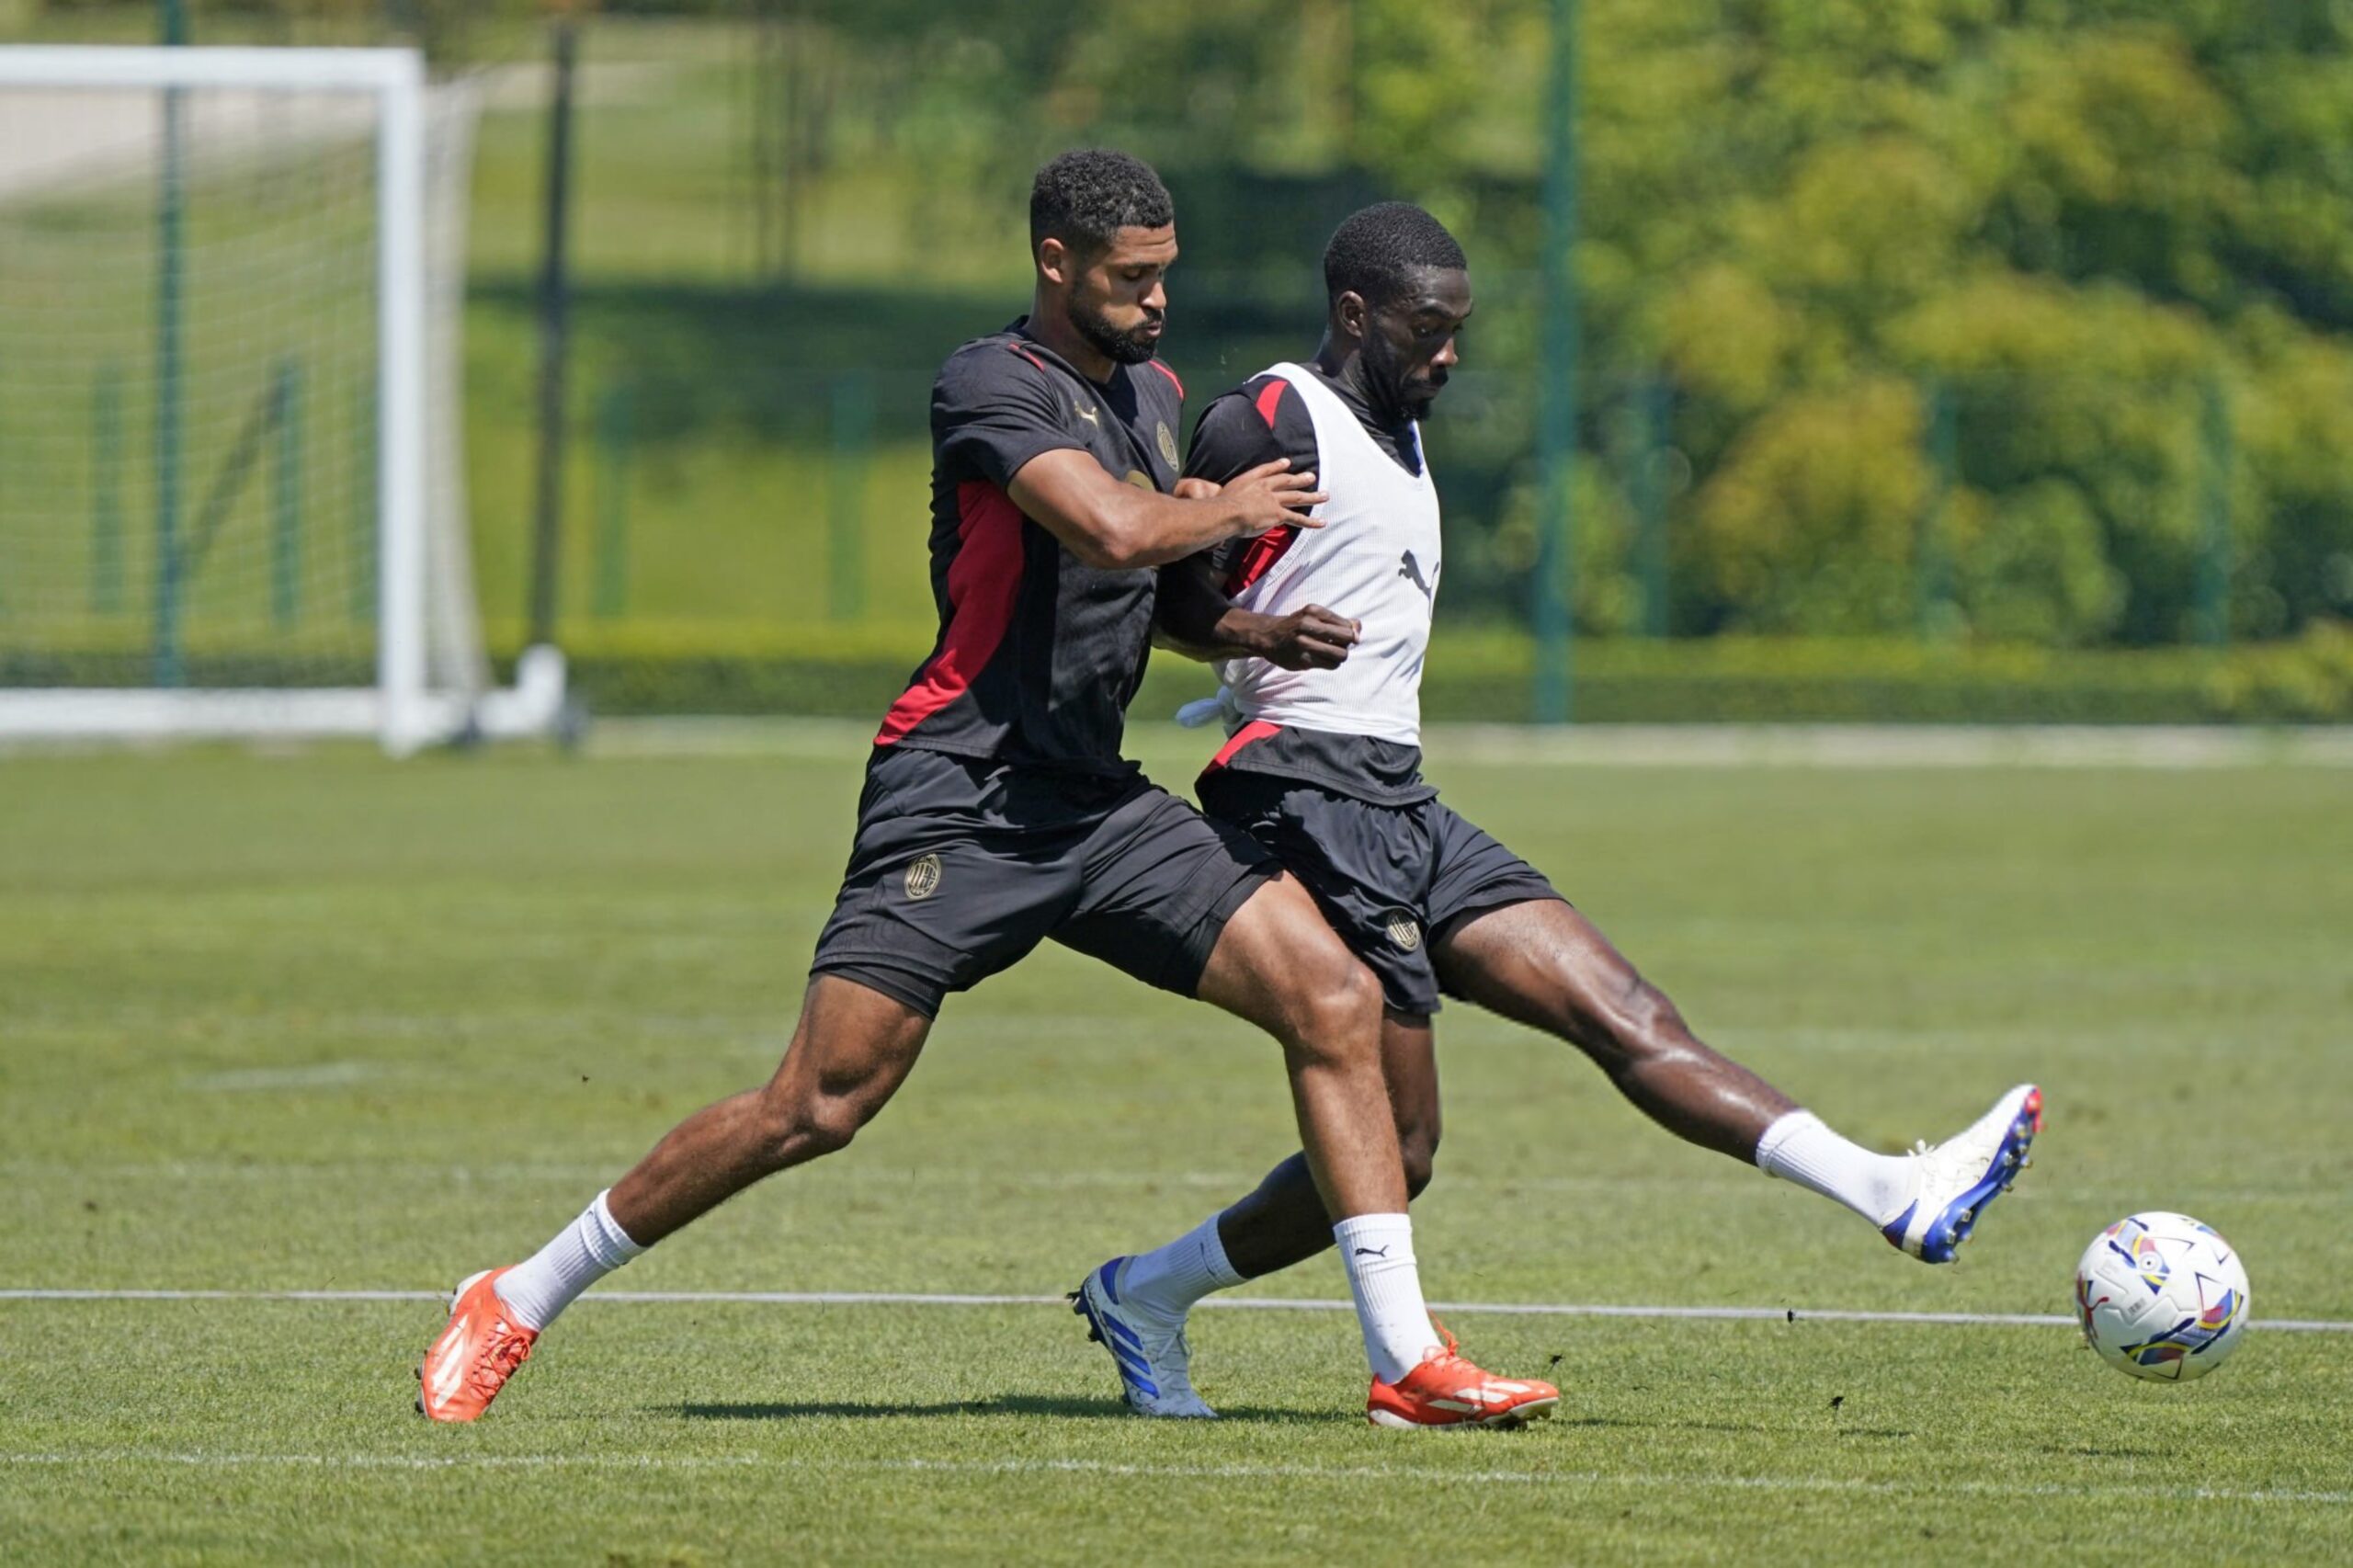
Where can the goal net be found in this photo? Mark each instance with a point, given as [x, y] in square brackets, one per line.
[231, 498]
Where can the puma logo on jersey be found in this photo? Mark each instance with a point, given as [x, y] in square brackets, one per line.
[1410, 570]
[1088, 414]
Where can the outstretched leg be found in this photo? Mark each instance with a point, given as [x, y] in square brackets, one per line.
[850, 1052]
[1539, 962]
[1542, 963]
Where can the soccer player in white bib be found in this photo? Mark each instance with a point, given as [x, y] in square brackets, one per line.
[1323, 766]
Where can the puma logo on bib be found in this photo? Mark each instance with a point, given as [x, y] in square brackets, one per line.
[1410, 570]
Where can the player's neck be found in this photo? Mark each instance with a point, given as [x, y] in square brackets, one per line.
[1345, 367]
[1052, 329]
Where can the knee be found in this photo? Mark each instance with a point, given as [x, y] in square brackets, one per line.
[1338, 1014]
[1652, 1019]
[796, 1129]
[1626, 1016]
[1643, 1031]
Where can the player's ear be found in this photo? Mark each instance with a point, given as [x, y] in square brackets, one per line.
[1354, 316]
[1054, 261]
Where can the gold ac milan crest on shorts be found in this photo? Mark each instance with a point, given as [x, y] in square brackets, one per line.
[1404, 932]
[923, 876]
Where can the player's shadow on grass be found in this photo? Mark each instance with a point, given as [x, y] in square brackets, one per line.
[1003, 1404]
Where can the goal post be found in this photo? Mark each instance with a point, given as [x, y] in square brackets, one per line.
[291, 342]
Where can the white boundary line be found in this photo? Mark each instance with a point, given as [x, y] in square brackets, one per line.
[1436, 1475]
[1261, 1303]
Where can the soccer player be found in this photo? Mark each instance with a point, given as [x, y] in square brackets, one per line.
[997, 812]
[1324, 767]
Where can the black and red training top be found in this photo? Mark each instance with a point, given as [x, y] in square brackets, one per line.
[1038, 653]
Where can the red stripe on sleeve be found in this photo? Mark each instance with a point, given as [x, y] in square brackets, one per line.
[1269, 399]
[1255, 731]
[1259, 559]
[1027, 354]
[1171, 375]
[984, 582]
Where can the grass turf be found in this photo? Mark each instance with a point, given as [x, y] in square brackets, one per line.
[320, 1021]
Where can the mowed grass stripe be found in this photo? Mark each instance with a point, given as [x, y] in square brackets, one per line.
[323, 1021]
[1245, 1303]
[1426, 1474]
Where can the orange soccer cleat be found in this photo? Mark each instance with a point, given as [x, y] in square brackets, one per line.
[475, 1355]
[1447, 1391]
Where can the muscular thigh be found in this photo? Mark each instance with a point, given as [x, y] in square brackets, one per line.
[1276, 957]
[853, 1044]
[1368, 867]
[1537, 961]
[1158, 884]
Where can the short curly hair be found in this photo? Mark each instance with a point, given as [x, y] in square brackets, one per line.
[1084, 199]
[1374, 252]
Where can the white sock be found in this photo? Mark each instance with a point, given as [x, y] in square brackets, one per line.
[1167, 1280]
[1379, 1252]
[1800, 1148]
[583, 1252]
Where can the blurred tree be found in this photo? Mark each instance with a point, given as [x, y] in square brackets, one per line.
[2077, 215]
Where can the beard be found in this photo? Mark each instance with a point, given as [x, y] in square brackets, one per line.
[1386, 379]
[1131, 347]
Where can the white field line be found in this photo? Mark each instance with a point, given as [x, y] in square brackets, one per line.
[1435, 1474]
[1245, 1303]
[1633, 745]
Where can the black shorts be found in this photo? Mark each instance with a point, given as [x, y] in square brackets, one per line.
[1390, 878]
[961, 867]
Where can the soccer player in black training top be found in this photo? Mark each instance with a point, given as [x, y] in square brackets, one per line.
[1323, 766]
[997, 812]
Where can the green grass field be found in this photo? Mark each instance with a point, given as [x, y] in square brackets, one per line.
[323, 1022]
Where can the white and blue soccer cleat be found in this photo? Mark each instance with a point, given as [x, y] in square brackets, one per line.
[1155, 1362]
[1958, 1177]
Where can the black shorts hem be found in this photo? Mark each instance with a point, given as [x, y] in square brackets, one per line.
[921, 992]
[1190, 959]
[1393, 998]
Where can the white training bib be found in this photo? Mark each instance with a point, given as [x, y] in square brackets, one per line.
[1375, 560]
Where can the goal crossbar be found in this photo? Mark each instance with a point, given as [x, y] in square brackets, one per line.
[291, 70]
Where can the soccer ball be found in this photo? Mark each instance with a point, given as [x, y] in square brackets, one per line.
[2162, 1297]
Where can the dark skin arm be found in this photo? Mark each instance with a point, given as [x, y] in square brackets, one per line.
[1193, 617]
[1120, 527]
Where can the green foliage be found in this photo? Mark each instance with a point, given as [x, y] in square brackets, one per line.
[2115, 240]
[2075, 215]
[2085, 226]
